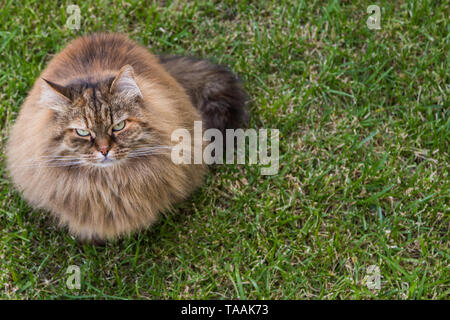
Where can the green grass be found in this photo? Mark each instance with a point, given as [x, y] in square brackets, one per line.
[364, 136]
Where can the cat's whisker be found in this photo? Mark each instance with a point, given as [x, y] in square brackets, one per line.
[140, 152]
[56, 161]
[143, 154]
[63, 156]
[72, 158]
[156, 147]
[153, 148]
[156, 150]
[40, 165]
[58, 156]
[149, 150]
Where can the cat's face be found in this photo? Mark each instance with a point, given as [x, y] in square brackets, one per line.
[100, 124]
[103, 129]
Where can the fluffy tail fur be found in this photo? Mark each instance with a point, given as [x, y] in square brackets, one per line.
[214, 90]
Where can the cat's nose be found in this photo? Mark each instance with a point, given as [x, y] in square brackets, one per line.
[103, 146]
[104, 150]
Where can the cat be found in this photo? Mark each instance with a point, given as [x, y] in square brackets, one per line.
[92, 141]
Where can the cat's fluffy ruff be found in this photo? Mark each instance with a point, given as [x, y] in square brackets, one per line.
[102, 202]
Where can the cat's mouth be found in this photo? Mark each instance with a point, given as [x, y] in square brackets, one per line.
[105, 161]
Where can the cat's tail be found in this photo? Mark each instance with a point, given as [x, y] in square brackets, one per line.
[214, 90]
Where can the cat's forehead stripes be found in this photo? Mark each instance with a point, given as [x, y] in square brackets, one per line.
[95, 107]
[97, 111]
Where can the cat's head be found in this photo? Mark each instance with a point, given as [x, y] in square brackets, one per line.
[98, 123]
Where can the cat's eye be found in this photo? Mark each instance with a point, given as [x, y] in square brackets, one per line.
[82, 133]
[119, 126]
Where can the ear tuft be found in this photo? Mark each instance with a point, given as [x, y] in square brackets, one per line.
[54, 96]
[125, 84]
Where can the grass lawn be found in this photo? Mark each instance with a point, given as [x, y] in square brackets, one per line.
[364, 135]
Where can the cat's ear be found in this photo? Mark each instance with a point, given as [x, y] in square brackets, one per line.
[54, 96]
[124, 83]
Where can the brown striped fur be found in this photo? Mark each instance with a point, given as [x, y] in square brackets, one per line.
[86, 84]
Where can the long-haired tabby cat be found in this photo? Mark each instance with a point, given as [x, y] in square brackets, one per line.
[92, 140]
